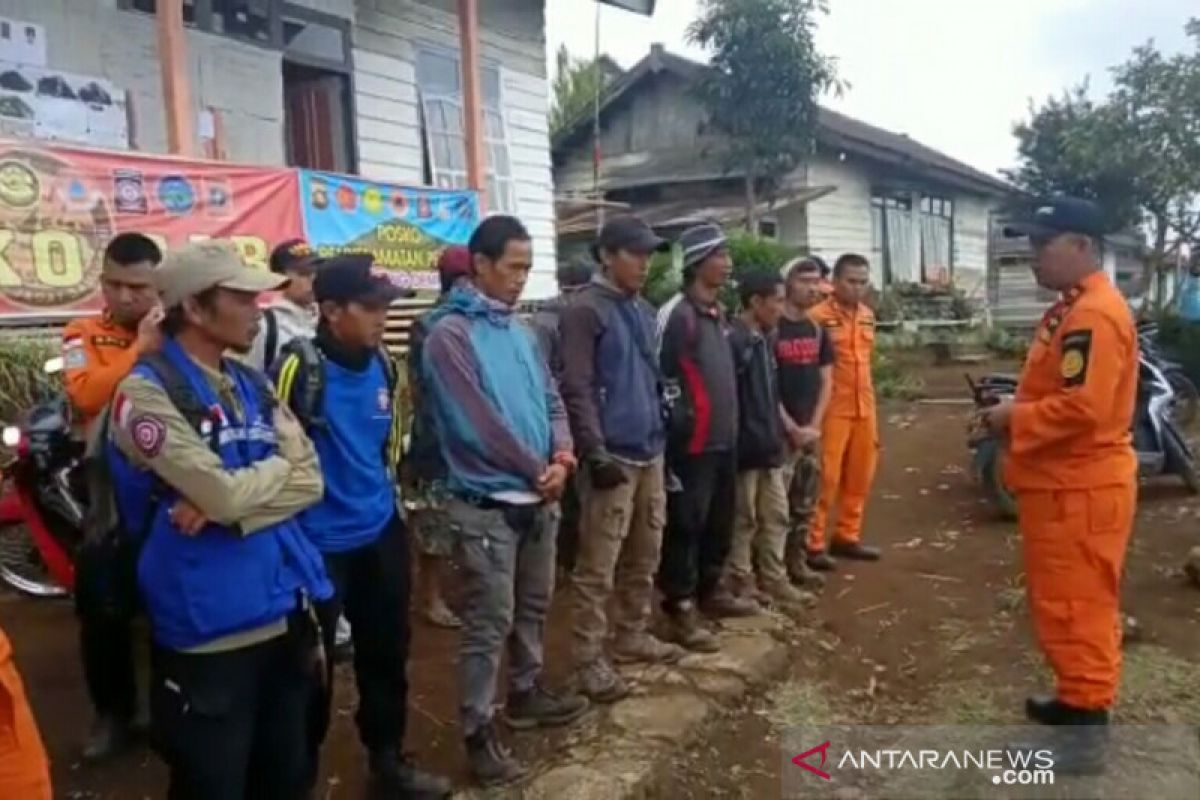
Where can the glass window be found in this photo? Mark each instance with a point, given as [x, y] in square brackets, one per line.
[303, 38]
[440, 85]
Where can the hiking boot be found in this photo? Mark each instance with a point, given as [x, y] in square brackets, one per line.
[600, 683]
[820, 561]
[1078, 743]
[685, 628]
[855, 551]
[491, 763]
[541, 708]
[647, 649]
[804, 576]
[1045, 710]
[393, 775]
[110, 736]
[787, 596]
[724, 605]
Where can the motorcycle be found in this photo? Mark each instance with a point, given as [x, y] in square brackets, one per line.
[1160, 446]
[1187, 397]
[41, 507]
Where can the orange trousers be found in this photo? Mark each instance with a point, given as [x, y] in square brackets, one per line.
[849, 453]
[24, 770]
[1074, 546]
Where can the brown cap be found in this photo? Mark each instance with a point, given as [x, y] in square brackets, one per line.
[190, 270]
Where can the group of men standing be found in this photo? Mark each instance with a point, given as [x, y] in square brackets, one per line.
[707, 454]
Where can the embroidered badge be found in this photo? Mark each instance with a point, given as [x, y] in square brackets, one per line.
[1076, 348]
[148, 434]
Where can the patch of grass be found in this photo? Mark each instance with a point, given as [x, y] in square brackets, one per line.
[892, 381]
[798, 703]
[1158, 686]
[22, 378]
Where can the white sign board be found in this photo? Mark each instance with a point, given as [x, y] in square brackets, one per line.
[22, 42]
[40, 103]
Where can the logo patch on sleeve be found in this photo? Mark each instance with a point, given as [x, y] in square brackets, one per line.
[1076, 351]
[73, 354]
[148, 434]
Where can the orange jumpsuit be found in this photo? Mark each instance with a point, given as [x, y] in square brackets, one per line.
[1073, 468]
[849, 436]
[97, 353]
[24, 769]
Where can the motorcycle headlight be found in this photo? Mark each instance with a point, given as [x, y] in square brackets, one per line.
[11, 436]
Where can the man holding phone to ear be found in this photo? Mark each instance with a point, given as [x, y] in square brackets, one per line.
[98, 352]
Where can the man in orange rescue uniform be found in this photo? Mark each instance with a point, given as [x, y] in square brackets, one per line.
[1072, 466]
[98, 353]
[24, 770]
[849, 436]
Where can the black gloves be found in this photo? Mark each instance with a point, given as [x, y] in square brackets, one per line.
[604, 472]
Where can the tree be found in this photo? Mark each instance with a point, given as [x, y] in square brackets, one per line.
[762, 86]
[576, 82]
[1136, 153]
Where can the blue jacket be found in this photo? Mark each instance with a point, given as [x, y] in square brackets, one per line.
[360, 493]
[497, 415]
[197, 589]
[610, 374]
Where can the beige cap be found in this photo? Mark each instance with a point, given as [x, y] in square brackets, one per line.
[195, 268]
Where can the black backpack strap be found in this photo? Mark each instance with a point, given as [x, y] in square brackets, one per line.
[271, 345]
[179, 390]
[262, 386]
[301, 381]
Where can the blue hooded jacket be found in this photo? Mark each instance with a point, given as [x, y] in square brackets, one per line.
[491, 396]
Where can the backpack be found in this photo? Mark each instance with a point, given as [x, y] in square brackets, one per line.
[300, 382]
[113, 590]
[271, 343]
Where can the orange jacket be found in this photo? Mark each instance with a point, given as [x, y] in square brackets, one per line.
[97, 354]
[852, 332]
[1070, 426]
[24, 769]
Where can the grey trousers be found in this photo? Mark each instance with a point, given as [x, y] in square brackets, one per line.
[507, 557]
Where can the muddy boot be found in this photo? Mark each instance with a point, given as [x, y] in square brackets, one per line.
[787, 597]
[820, 561]
[723, 604]
[855, 551]
[541, 708]
[393, 775]
[746, 589]
[804, 576]
[600, 683]
[110, 736]
[685, 629]
[646, 649]
[490, 761]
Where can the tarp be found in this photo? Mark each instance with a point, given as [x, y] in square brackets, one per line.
[59, 207]
[404, 228]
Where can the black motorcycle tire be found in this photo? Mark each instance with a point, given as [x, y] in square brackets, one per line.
[1179, 461]
[1187, 399]
[991, 474]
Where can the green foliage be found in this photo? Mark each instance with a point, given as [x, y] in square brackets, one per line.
[748, 253]
[892, 381]
[662, 280]
[762, 88]
[1005, 343]
[576, 82]
[1136, 152]
[1180, 341]
[22, 378]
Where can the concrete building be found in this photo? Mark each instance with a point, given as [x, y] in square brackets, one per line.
[372, 87]
[919, 215]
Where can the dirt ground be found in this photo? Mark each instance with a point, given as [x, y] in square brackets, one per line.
[936, 632]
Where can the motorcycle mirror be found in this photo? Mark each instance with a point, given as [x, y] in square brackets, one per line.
[53, 365]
